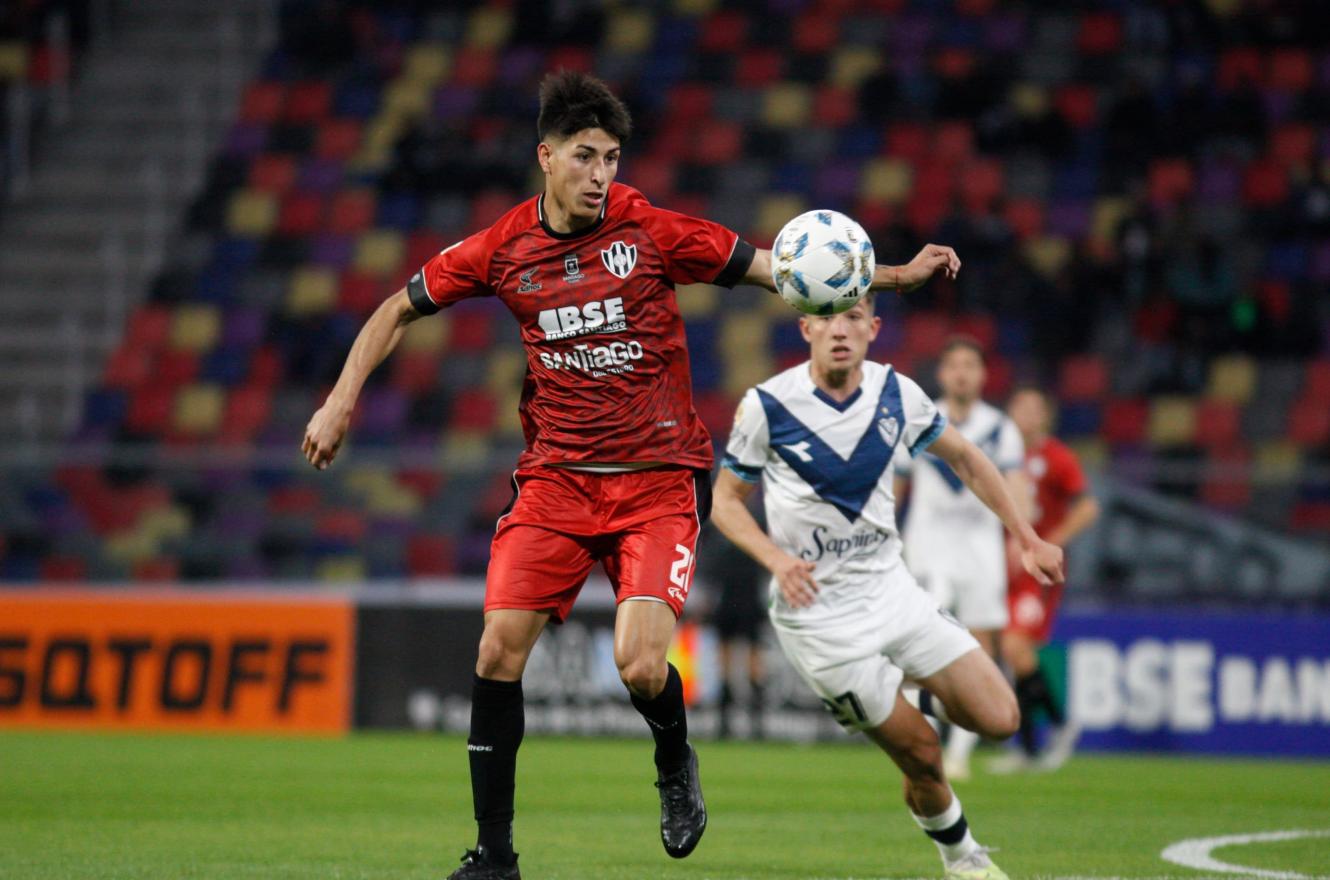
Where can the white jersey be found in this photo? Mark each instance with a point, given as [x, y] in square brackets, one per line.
[827, 477]
[940, 504]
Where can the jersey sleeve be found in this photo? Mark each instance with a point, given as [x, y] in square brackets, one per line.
[696, 250]
[456, 273]
[1010, 452]
[923, 422]
[750, 440]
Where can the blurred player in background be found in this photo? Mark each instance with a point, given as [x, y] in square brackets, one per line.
[738, 615]
[954, 542]
[847, 613]
[617, 464]
[1063, 509]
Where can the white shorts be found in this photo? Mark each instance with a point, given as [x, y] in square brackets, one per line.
[857, 662]
[966, 577]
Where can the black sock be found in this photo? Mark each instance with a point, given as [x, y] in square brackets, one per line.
[665, 716]
[1040, 695]
[497, 725]
[1026, 732]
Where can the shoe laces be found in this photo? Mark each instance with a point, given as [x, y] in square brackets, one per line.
[674, 787]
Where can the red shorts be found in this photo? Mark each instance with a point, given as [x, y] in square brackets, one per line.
[1031, 606]
[641, 525]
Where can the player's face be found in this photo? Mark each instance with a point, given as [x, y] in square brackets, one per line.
[1030, 413]
[961, 374]
[578, 171]
[840, 342]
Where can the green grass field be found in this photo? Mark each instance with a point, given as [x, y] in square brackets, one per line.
[398, 806]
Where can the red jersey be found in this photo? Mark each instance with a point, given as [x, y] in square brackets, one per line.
[1057, 479]
[607, 375]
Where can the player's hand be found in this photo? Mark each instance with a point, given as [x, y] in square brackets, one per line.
[1044, 562]
[925, 264]
[324, 434]
[795, 578]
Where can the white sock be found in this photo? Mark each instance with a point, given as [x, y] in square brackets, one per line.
[961, 744]
[950, 832]
[925, 702]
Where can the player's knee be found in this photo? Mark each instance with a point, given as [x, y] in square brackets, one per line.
[494, 659]
[1004, 718]
[644, 678]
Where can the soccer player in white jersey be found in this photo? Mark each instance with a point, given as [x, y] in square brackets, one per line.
[847, 613]
[954, 543]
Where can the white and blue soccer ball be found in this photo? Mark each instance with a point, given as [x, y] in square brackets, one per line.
[822, 262]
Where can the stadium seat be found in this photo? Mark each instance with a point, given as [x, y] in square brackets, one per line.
[1083, 378]
[1232, 379]
[1125, 421]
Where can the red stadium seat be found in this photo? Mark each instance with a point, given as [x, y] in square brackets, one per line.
[338, 139]
[474, 410]
[908, 140]
[1309, 421]
[815, 32]
[1100, 34]
[341, 525]
[150, 409]
[1316, 380]
[1078, 103]
[1026, 217]
[128, 367]
[983, 328]
[834, 107]
[759, 68]
[1125, 421]
[273, 172]
[472, 331]
[415, 371]
[1291, 70]
[302, 213]
[263, 102]
[981, 183]
[297, 500]
[308, 101]
[1170, 180]
[1265, 185]
[156, 570]
[149, 327]
[63, 568]
[1311, 516]
[1294, 144]
[1227, 485]
[953, 142]
[477, 66]
[926, 333]
[1239, 66]
[718, 143]
[429, 556]
[1218, 423]
[247, 411]
[724, 32]
[352, 211]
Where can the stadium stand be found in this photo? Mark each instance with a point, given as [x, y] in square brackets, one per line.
[1142, 217]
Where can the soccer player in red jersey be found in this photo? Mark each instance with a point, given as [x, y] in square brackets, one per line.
[1063, 509]
[617, 464]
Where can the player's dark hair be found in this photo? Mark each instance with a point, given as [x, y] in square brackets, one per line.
[571, 101]
[963, 341]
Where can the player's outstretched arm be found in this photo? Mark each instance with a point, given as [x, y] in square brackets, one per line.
[913, 275]
[379, 336]
[1040, 558]
[731, 516]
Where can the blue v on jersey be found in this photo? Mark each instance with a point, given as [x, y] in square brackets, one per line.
[826, 468]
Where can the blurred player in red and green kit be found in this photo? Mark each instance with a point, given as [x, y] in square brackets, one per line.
[1063, 509]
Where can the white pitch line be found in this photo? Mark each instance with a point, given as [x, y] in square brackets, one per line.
[1195, 853]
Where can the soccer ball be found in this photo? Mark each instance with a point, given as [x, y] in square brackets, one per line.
[822, 262]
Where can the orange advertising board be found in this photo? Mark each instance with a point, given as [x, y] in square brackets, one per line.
[221, 661]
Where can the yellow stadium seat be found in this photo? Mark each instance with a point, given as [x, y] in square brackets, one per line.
[696, 300]
[1276, 462]
[13, 61]
[251, 213]
[508, 421]
[429, 336]
[775, 211]
[407, 99]
[164, 524]
[630, 31]
[198, 409]
[1232, 378]
[380, 493]
[1048, 254]
[694, 8]
[489, 28]
[852, 65]
[507, 366]
[1028, 99]
[312, 291]
[787, 105]
[743, 332]
[195, 328]
[342, 569]
[1093, 453]
[428, 63]
[743, 373]
[129, 546]
[380, 252]
[1172, 421]
[887, 180]
[465, 449]
[1108, 214]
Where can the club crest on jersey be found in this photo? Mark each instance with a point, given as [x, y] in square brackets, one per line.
[890, 429]
[619, 258]
[528, 284]
[572, 273]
